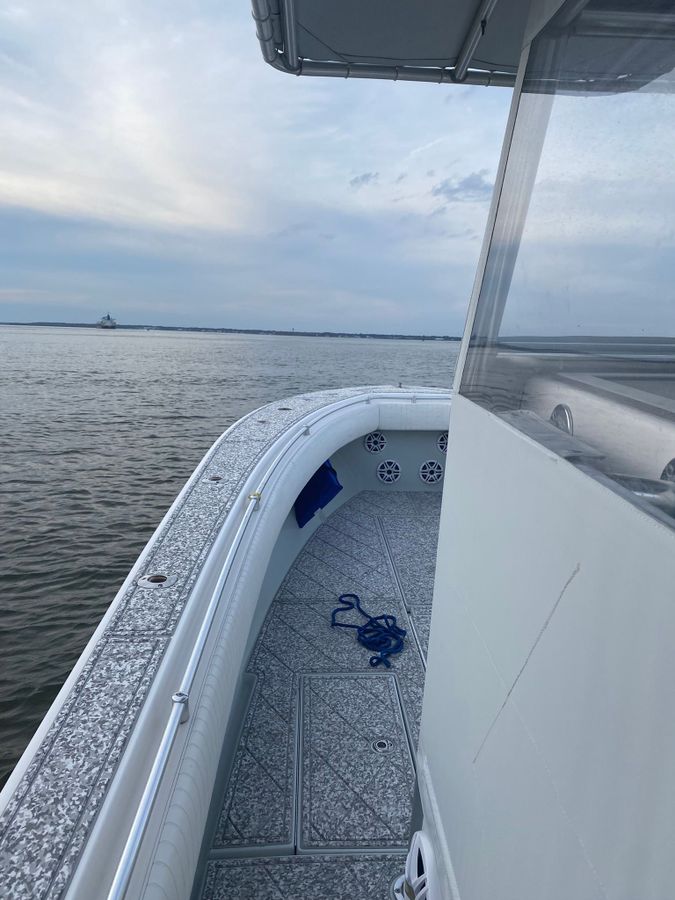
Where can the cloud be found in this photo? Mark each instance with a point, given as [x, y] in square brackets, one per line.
[133, 178]
[100, 124]
[360, 181]
[471, 188]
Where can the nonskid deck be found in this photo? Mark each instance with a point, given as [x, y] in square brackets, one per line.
[52, 807]
[307, 778]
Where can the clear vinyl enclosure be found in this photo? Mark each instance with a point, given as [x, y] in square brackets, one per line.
[573, 340]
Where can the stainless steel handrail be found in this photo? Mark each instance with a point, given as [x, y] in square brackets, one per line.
[180, 699]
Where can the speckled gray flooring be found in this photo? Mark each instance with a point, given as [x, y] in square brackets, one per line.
[412, 543]
[306, 776]
[303, 878]
[353, 795]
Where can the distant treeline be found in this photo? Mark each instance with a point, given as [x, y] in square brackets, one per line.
[292, 333]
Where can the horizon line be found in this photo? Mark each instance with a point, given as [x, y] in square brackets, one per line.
[223, 330]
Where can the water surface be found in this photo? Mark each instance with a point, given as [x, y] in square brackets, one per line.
[100, 430]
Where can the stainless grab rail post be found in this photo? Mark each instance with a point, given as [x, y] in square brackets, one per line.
[180, 699]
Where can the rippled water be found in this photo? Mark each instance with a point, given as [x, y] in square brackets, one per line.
[99, 432]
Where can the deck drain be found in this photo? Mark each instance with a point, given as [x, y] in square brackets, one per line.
[285, 408]
[215, 478]
[156, 580]
[382, 745]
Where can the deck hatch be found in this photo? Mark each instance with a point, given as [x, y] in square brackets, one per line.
[352, 797]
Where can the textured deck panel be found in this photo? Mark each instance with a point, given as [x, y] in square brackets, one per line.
[412, 544]
[306, 877]
[125, 669]
[265, 808]
[52, 811]
[353, 796]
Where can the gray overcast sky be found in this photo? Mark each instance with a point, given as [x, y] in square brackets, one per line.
[152, 165]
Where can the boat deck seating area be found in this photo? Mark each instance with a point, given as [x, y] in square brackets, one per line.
[318, 801]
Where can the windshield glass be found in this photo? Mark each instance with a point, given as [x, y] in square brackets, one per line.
[576, 310]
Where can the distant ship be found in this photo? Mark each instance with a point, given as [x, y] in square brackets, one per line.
[107, 322]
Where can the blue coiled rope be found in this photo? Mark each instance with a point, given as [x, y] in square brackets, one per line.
[380, 633]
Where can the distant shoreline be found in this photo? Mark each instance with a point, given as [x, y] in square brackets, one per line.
[270, 331]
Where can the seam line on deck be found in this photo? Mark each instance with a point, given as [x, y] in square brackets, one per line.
[409, 610]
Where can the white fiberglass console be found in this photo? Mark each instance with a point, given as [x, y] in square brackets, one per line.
[547, 751]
